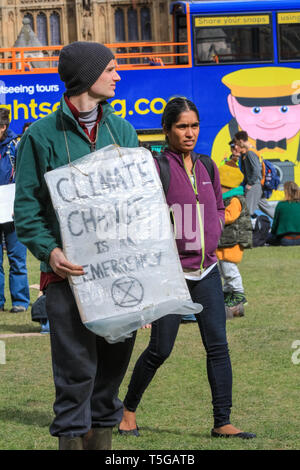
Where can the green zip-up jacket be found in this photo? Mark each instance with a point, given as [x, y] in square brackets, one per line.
[43, 148]
[286, 218]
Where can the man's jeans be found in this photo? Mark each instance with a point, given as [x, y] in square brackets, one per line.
[87, 370]
[18, 280]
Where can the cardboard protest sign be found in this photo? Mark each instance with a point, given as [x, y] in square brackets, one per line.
[7, 197]
[115, 223]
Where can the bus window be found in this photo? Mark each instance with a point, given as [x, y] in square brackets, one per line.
[181, 36]
[233, 39]
[289, 36]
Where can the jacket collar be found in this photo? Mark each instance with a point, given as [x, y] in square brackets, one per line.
[179, 157]
[93, 132]
[66, 113]
[106, 109]
[174, 155]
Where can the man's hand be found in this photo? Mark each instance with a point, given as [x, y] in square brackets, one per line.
[248, 186]
[62, 266]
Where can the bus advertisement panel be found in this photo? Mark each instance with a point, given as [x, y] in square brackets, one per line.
[140, 96]
[242, 72]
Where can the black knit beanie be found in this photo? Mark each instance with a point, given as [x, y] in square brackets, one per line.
[81, 64]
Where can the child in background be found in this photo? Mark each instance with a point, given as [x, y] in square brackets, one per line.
[234, 158]
[236, 236]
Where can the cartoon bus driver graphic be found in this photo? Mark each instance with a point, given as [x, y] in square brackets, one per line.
[265, 102]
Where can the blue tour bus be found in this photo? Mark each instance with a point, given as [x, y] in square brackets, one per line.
[238, 61]
[245, 76]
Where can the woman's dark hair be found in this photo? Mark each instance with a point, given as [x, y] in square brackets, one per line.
[174, 108]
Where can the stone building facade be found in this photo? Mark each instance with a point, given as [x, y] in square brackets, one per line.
[63, 21]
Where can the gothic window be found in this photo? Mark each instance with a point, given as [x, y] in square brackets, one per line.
[133, 32]
[119, 25]
[55, 28]
[46, 25]
[146, 24]
[132, 21]
[132, 24]
[41, 26]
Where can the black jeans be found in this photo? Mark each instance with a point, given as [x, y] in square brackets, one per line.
[87, 370]
[212, 325]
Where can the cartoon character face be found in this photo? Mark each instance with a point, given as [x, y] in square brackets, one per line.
[266, 122]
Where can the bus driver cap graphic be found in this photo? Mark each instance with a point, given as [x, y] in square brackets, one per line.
[81, 64]
[266, 102]
[273, 85]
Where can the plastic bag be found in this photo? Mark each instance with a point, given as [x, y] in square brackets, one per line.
[115, 222]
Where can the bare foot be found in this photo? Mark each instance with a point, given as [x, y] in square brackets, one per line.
[128, 422]
[227, 429]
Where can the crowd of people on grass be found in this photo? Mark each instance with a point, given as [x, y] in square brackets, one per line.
[87, 370]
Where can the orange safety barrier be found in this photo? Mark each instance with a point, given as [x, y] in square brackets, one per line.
[44, 59]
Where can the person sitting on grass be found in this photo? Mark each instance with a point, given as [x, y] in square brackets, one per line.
[285, 229]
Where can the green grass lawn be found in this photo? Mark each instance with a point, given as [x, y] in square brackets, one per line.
[176, 412]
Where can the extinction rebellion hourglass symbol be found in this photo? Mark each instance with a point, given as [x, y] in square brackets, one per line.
[127, 292]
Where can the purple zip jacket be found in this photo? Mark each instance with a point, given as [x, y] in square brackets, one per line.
[198, 211]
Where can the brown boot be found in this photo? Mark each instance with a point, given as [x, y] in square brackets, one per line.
[98, 439]
[70, 443]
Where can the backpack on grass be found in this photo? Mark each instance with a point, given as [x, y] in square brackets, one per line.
[261, 230]
[38, 309]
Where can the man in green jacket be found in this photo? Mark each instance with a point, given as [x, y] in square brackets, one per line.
[87, 370]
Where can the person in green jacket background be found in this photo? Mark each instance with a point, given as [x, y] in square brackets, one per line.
[285, 229]
[87, 370]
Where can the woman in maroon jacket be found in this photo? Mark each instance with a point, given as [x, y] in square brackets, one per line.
[198, 210]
